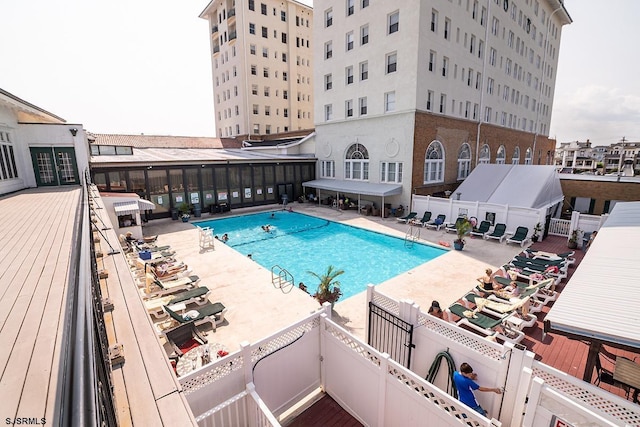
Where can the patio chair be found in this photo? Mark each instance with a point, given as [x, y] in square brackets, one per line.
[482, 229]
[498, 233]
[193, 296]
[520, 236]
[425, 218]
[209, 313]
[437, 223]
[488, 324]
[606, 376]
[182, 335]
[155, 288]
[565, 257]
[454, 227]
[407, 217]
[499, 308]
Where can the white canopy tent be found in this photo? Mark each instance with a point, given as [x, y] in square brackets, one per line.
[526, 186]
[355, 187]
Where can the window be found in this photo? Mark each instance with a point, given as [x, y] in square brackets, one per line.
[432, 60]
[284, 58]
[495, 26]
[265, 72]
[492, 56]
[252, 5]
[447, 28]
[283, 16]
[254, 89]
[328, 112]
[265, 32]
[348, 108]
[429, 100]
[267, 110]
[265, 52]
[254, 70]
[365, 3]
[392, 62]
[434, 163]
[472, 44]
[391, 172]
[263, 8]
[252, 28]
[349, 40]
[266, 91]
[328, 50]
[284, 76]
[348, 72]
[252, 49]
[389, 101]
[443, 103]
[500, 155]
[364, 71]
[445, 66]
[283, 37]
[485, 155]
[362, 102]
[515, 160]
[285, 112]
[256, 109]
[528, 157]
[394, 22]
[328, 169]
[490, 83]
[487, 114]
[434, 20]
[328, 82]
[350, 7]
[356, 164]
[328, 17]
[467, 109]
[285, 94]
[464, 161]
[364, 35]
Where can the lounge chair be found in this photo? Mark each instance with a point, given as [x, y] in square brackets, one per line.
[520, 236]
[485, 323]
[498, 233]
[193, 296]
[181, 335]
[425, 218]
[408, 217]
[567, 257]
[482, 229]
[209, 313]
[154, 288]
[498, 308]
[437, 223]
[454, 227]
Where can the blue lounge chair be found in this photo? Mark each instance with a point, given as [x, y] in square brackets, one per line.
[520, 236]
[498, 233]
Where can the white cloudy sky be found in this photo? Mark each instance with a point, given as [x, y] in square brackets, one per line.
[143, 66]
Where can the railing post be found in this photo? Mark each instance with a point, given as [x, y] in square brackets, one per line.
[245, 351]
[382, 387]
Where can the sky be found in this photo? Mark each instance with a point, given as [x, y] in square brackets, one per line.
[144, 66]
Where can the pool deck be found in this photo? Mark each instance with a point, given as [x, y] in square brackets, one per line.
[256, 309]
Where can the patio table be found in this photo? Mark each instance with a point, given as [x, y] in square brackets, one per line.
[192, 359]
[628, 372]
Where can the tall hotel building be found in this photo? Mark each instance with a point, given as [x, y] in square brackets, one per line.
[262, 66]
[414, 93]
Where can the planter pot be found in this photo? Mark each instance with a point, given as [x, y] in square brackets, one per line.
[572, 244]
[534, 239]
[185, 219]
[458, 246]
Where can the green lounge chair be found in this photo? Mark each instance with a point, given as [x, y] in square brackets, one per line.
[520, 236]
[482, 229]
[498, 233]
[212, 313]
[408, 217]
[437, 223]
[454, 227]
[486, 324]
[425, 218]
[193, 296]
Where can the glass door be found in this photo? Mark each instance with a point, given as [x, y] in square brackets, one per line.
[54, 166]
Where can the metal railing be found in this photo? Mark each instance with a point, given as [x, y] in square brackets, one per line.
[85, 392]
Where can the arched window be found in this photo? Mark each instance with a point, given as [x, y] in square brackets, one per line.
[464, 161]
[356, 163]
[528, 157]
[485, 155]
[500, 155]
[434, 163]
[515, 160]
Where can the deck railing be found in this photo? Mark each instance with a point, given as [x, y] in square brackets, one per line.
[559, 227]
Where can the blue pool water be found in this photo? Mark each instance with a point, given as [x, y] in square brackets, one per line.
[301, 243]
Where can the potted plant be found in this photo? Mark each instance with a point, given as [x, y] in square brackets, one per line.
[184, 210]
[328, 288]
[536, 232]
[463, 228]
[573, 239]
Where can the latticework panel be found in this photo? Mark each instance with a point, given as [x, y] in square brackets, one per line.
[626, 415]
[453, 332]
[284, 339]
[387, 303]
[353, 344]
[447, 405]
[203, 379]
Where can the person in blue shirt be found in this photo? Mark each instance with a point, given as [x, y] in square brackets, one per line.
[465, 381]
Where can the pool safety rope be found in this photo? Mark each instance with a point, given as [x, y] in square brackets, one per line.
[435, 367]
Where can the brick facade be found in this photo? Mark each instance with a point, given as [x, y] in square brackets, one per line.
[599, 190]
[453, 132]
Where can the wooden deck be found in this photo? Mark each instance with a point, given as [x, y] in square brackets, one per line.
[36, 247]
[325, 413]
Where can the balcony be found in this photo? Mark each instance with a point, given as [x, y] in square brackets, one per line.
[231, 15]
[233, 35]
[214, 29]
[216, 49]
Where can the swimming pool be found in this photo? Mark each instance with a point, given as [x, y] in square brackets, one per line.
[301, 243]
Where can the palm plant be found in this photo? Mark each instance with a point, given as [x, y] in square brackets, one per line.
[328, 288]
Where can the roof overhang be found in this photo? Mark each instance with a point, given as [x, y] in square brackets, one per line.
[130, 207]
[356, 187]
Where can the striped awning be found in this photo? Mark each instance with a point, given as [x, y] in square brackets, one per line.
[126, 208]
[145, 205]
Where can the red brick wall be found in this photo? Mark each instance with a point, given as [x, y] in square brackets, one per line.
[453, 132]
[601, 191]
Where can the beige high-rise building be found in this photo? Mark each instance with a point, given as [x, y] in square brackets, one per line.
[261, 54]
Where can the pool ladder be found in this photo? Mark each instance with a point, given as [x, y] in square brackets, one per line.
[282, 279]
[412, 236]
